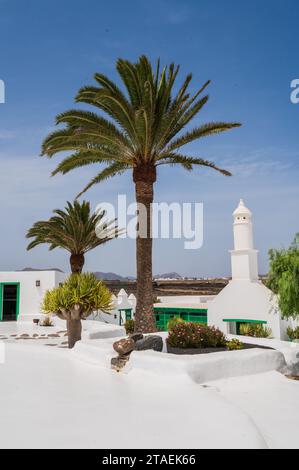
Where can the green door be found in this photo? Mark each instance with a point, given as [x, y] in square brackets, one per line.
[9, 301]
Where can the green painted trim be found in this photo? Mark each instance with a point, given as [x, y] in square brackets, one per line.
[18, 300]
[231, 320]
[2, 284]
[171, 310]
[128, 314]
[1, 301]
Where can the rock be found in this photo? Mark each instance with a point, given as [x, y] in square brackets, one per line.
[154, 342]
[136, 336]
[123, 346]
[53, 335]
[24, 335]
[119, 362]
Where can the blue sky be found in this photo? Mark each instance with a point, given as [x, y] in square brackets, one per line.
[250, 52]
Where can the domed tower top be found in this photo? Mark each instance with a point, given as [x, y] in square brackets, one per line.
[243, 227]
[242, 212]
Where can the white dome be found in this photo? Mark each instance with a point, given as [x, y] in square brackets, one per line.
[242, 209]
[122, 293]
[132, 297]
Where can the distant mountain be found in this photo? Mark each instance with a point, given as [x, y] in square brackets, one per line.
[37, 269]
[172, 275]
[112, 276]
[118, 277]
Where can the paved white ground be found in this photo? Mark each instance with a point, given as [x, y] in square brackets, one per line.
[11, 332]
[271, 400]
[50, 398]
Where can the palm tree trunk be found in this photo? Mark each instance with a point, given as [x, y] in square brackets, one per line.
[77, 262]
[144, 318]
[74, 329]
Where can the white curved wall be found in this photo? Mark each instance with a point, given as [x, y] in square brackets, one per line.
[245, 300]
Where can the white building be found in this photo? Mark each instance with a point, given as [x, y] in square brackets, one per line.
[245, 299]
[21, 293]
[124, 307]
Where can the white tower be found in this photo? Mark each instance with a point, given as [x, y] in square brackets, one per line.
[245, 299]
[244, 256]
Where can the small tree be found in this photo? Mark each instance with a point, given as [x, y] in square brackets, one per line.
[75, 229]
[75, 300]
[284, 278]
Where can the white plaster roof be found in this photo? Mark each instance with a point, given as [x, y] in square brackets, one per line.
[132, 297]
[124, 304]
[242, 209]
[122, 292]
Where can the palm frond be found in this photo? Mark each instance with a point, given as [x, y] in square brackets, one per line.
[187, 162]
[84, 158]
[116, 168]
[200, 132]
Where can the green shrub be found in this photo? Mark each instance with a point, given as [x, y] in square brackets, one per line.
[257, 330]
[77, 297]
[46, 321]
[129, 326]
[262, 331]
[245, 329]
[194, 335]
[234, 344]
[174, 321]
[293, 333]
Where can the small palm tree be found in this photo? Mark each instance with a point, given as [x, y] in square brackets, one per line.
[143, 132]
[74, 229]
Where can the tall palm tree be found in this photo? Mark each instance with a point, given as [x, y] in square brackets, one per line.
[143, 131]
[75, 229]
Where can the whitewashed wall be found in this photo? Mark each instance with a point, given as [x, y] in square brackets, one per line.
[182, 299]
[248, 301]
[30, 295]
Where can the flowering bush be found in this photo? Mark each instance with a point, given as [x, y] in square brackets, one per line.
[174, 321]
[195, 335]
